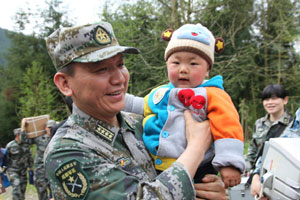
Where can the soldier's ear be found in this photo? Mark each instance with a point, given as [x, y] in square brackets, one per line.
[62, 82]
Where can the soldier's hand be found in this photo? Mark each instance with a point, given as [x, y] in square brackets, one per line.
[23, 124]
[212, 188]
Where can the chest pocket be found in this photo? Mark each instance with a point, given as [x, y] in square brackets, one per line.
[260, 135]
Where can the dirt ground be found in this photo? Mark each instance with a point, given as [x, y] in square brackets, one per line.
[29, 195]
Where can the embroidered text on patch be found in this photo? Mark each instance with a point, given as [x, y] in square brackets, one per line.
[101, 36]
[74, 181]
[104, 133]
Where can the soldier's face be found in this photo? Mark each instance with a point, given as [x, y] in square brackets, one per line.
[48, 131]
[99, 88]
[275, 105]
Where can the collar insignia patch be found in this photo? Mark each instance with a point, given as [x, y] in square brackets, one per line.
[73, 179]
[285, 120]
[123, 162]
[101, 36]
[128, 123]
[104, 133]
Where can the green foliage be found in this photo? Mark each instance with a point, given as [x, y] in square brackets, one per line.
[28, 54]
[36, 93]
[8, 120]
[4, 45]
[259, 38]
[137, 25]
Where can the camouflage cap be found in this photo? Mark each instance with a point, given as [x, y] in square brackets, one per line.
[17, 131]
[86, 43]
[50, 123]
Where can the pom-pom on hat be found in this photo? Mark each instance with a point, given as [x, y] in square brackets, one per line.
[194, 38]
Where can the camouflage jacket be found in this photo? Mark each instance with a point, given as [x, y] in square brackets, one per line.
[262, 127]
[18, 156]
[88, 159]
[41, 144]
[293, 130]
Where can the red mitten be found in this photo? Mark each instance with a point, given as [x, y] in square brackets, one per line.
[185, 95]
[197, 101]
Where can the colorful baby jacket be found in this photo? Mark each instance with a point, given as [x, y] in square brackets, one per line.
[164, 124]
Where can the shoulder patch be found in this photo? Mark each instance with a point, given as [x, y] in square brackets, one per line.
[104, 133]
[159, 94]
[73, 179]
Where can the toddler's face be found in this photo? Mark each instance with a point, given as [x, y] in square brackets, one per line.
[186, 69]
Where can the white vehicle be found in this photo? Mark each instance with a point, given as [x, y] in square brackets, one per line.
[281, 169]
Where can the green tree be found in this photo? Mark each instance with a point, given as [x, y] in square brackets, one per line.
[243, 62]
[26, 51]
[139, 25]
[36, 93]
[278, 27]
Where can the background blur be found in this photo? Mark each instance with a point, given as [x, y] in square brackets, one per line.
[261, 48]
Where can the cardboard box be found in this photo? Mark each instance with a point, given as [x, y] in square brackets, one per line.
[35, 126]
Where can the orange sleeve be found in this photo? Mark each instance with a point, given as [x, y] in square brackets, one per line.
[223, 117]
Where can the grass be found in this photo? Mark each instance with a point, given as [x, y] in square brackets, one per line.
[31, 193]
[246, 145]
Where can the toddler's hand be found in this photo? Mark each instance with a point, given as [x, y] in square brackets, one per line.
[230, 176]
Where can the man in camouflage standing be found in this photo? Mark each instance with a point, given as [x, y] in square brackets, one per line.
[19, 159]
[40, 180]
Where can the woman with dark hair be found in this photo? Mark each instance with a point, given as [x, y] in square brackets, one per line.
[274, 99]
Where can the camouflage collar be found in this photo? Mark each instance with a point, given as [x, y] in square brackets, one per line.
[92, 124]
[285, 119]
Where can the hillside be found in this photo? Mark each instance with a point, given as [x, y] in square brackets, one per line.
[4, 45]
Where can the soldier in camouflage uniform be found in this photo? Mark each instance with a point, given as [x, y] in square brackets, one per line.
[19, 159]
[98, 153]
[40, 180]
[274, 98]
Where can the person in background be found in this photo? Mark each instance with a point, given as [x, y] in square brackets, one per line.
[3, 166]
[189, 57]
[19, 159]
[98, 153]
[39, 175]
[292, 131]
[274, 98]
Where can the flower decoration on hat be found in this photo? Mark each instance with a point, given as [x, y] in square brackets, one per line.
[219, 45]
[167, 34]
